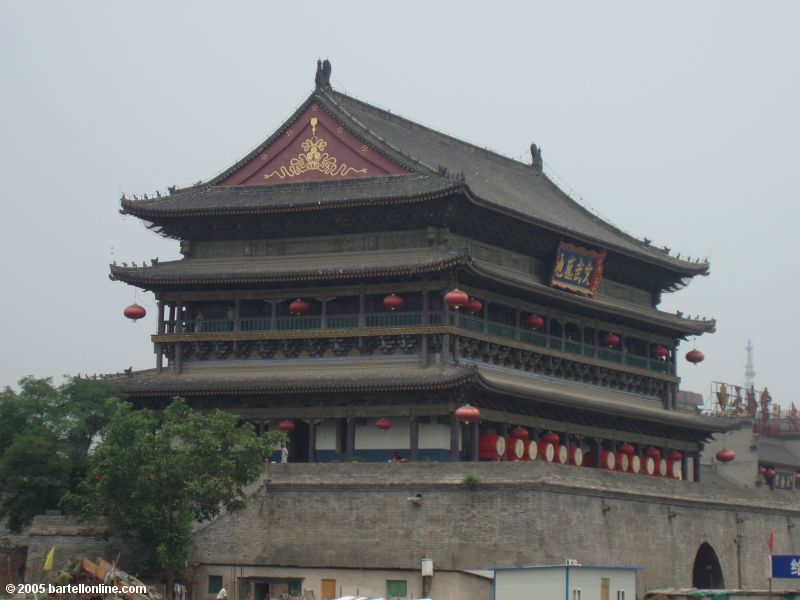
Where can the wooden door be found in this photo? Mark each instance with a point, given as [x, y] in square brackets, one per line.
[604, 588]
[328, 589]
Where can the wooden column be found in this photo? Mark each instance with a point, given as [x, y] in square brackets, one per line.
[273, 323]
[237, 314]
[160, 317]
[312, 441]
[414, 441]
[362, 317]
[518, 322]
[454, 427]
[685, 465]
[179, 316]
[696, 465]
[177, 366]
[598, 448]
[444, 357]
[503, 429]
[324, 314]
[473, 442]
[425, 322]
[351, 437]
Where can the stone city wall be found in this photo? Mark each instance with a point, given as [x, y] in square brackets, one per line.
[382, 516]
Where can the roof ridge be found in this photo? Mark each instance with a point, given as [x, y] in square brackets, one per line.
[517, 164]
[403, 119]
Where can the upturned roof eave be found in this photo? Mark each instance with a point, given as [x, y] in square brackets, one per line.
[685, 268]
[146, 278]
[677, 324]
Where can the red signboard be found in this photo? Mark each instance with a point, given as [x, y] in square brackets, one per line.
[577, 269]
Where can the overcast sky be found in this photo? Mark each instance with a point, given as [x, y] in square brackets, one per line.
[678, 121]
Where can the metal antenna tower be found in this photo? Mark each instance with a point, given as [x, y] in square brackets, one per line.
[749, 370]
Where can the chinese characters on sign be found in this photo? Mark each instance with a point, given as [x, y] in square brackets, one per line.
[785, 567]
[577, 269]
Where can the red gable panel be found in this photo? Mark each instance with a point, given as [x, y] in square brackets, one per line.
[314, 148]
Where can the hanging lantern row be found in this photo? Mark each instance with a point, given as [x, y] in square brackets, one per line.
[694, 356]
[659, 352]
[726, 456]
[468, 414]
[456, 298]
[534, 322]
[134, 312]
[473, 306]
[383, 424]
[611, 340]
[298, 307]
[393, 302]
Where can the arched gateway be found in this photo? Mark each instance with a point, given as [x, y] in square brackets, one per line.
[707, 572]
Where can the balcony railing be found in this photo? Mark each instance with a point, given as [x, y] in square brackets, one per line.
[416, 319]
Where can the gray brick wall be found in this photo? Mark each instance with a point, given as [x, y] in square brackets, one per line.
[520, 514]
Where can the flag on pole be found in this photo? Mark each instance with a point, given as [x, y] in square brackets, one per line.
[771, 541]
[48, 561]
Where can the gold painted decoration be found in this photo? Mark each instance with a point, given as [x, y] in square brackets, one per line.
[577, 269]
[314, 158]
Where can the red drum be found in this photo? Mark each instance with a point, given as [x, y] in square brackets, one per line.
[515, 449]
[635, 464]
[662, 467]
[491, 446]
[649, 465]
[674, 469]
[623, 462]
[546, 451]
[531, 450]
[607, 460]
[575, 456]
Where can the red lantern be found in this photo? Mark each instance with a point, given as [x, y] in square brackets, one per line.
[286, 426]
[627, 448]
[763, 470]
[796, 478]
[473, 306]
[610, 340]
[726, 456]
[534, 322]
[551, 438]
[519, 432]
[134, 312]
[659, 352]
[674, 455]
[298, 307]
[99, 476]
[771, 473]
[653, 453]
[456, 298]
[393, 302]
[468, 414]
[695, 356]
[383, 424]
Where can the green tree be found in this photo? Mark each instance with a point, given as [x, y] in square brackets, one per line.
[45, 436]
[150, 480]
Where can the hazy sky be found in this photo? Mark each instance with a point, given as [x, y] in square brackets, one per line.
[678, 121]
